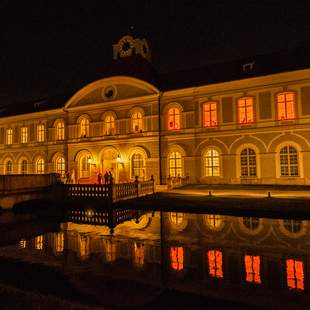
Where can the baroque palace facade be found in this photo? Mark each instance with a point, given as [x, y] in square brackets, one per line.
[246, 124]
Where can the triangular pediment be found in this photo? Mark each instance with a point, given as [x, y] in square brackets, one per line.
[111, 89]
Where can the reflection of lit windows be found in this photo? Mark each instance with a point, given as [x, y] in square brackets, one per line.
[138, 166]
[24, 135]
[175, 164]
[40, 166]
[139, 254]
[252, 269]
[136, 120]
[295, 274]
[212, 163]
[110, 251]
[9, 136]
[9, 167]
[22, 244]
[289, 161]
[248, 163]
[251, 223]
[176, 257]
[293, 226]
[210, 114]
[38, 242]
[245, 110]
[176, 218]
[60, 166]
[286, 105]
[215, 259]
[40, 133]
[213, 221]
[173, 118]
[84, 127]
[59, 242]
[84, 246]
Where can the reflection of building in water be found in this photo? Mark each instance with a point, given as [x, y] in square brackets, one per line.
[203, 252]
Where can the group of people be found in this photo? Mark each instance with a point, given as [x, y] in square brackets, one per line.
[107, 178]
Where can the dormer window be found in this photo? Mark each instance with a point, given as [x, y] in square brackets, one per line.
[286, 105]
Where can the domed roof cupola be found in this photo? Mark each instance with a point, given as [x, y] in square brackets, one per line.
[128, 46]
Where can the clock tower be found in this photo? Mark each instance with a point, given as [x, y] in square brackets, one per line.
[128, 46]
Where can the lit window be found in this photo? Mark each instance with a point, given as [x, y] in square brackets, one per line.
[22, 243]
[176, 218]
[9, 167]
[60, 131]
[212, 163]
[84, 167]
[60, 166]
[213, 221]
[286, 105]
[40, 166]
[289, 161]
[109, 125]
[252, 269]
[24, 135]
[295, 274]
[40, 133]
[176, 257]
[136, 122]
[24, 167]
[210, 114]
[59, 242]
[9, 136]
[139, 254]
[215, 260]
[173, 118]
[245, 110]
[248, 163]
[292, 226]
[38, 242]
[84, 127]
[138, 166]
[251, 223]
[110, 251]
[175, 164]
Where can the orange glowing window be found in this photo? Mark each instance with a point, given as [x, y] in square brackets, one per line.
[245, 110]
[295, 274]
[60, 130]
[210, 114]
[136, 119]
[252, 269]
[38, 242]
[215, 259]
[59, 242]
[139, 254]
[84, 127]
[110, 250]
[176, 257]
[286, 105]
[173, 118]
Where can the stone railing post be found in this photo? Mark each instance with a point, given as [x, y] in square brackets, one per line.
[136, 186]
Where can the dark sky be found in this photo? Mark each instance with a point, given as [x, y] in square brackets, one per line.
[49, 47]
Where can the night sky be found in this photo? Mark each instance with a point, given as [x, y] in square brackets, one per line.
[51, 47]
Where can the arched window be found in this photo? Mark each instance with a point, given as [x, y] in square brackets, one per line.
[177, 218]
[9, 167]
[212, 163]
[40, 133]
[213, 221]
[248, 163]
[84, 167]
[109, 123]
[292, 226]
[60, 130]
[24, 166]
[210, 114]
[9, 136]
[60, 166]
[175, 164]
[251, 223]
[173, 118]
[84, 127]
[289, 161]
[177, 258]
[245, 110]
[40, 166]
[286, 105]
[136, 120]
[138, 165]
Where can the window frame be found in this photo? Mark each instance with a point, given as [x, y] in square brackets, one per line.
[140, 167]
[84, 127]
[40, 133]
[40, 166]
[248, 158]
[176, 118]
[246, 108]
[294, 106]
[209, 113]
[178, 169]
[9, 136]
[211, 158]
[137, 122]
[288, 159]
[109, 126]
[60, 130]
[24, 134]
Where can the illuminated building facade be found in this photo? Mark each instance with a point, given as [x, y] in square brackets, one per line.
[241, 122]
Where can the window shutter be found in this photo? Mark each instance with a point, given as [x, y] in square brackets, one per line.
[264, 99]
[16, 134]
[32, 135]
[227, 110]
[305, 100]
